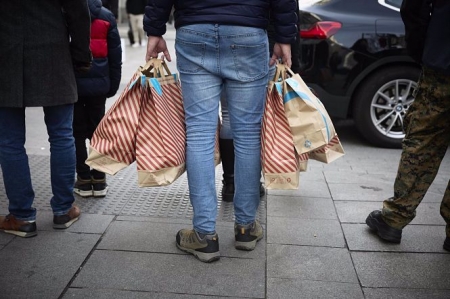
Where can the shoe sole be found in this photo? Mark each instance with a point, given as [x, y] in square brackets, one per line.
[446, 246]
[65, 225]
[21, 234]
[247, 246]
[100, 193]
[372, 223]
[202, 256]
[83, 193]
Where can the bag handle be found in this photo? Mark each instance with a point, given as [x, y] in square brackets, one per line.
[158, 66]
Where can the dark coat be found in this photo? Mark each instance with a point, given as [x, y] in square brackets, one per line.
[103, 79]
[36, 55]
[250, 13]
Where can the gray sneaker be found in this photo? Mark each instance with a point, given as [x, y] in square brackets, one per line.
[246, 236]
[203, 247]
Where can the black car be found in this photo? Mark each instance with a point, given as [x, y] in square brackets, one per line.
[354, 57]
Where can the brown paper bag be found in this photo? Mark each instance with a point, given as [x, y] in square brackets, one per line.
[328, 153]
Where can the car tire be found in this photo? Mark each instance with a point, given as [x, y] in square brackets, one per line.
[378, 112]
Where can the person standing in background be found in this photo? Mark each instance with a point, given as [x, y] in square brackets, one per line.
[222, 47]
[94, 87]
[42, 43]
[426, 124]
[135, 11]
[113, 6]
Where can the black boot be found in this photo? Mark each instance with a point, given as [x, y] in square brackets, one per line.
[226, 147]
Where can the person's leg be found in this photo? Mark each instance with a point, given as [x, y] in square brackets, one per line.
[96, 111]
[141, 32]
[245, 65]
[424, 146]
[16, 174]
[196, 49]
[226, 148]
[134, 21]
[62, 163]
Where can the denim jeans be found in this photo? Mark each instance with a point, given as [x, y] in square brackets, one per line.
[14, 160]
[233, 59]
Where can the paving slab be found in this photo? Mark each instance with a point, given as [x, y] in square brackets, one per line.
[316, 188]
[282, 288]
[415, 238]
[392, 293]
[41, 267]
[73, 293]
[403, 270]
[175, 273]
[357, 212]
[301, 207]
[87, 223]
[310, 263]
[312, 232]
[159, 237]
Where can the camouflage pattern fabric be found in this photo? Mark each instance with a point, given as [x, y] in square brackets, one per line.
[427, 129]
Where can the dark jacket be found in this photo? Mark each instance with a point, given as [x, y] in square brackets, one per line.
[251, 13]
[40, 41]
[103, 79]
[113, 6]
[135, 7]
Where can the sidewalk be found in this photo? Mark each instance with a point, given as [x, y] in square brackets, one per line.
[316, 244]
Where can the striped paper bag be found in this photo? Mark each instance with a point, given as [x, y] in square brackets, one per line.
[328, 153]
[112, 145]
[280, 162]
[161, 133]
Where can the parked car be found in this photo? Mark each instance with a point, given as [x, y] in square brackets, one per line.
[354, 57]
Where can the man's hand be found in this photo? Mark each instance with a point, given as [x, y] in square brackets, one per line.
[156, 45]
[282, 51]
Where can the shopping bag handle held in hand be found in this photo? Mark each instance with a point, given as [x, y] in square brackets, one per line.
[158, 66]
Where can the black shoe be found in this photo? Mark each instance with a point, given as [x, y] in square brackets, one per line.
[383, 230]
[227, 191]
[447, 244]
[262, 190]
[83, 187]
[99, 187]
[203, 247]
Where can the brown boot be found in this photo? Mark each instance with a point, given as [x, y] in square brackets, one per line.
[64, 221]
[10, 225]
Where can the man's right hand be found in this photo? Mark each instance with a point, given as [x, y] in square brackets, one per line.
[156, 45]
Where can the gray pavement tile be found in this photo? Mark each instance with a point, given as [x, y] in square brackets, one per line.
[279, 288]
[312, 232]
[352, 177]
[306, 189]
[41, 267]
[156, 272]
[129, 294]
[391, 293]
[402, 270]
[364, 191]
[310, 263]
[87, 223]
[159, 237]
[357, 212]
[415, 238]
[5, 238]
[301, 207]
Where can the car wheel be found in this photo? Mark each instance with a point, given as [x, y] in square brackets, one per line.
[381, 102]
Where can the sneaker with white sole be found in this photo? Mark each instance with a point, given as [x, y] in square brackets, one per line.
[83, 187]
[246, 236]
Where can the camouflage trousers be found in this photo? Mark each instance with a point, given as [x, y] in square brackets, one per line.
[427, 129]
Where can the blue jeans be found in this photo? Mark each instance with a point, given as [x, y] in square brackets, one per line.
[235, 59]
[14, 160]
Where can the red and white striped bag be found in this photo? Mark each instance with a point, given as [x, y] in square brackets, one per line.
[280, 162]
[328, 153]
[146, 125]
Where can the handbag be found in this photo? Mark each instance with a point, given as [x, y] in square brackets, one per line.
[279, 160]
[146, 125]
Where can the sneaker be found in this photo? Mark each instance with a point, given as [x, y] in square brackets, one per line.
[143, 44]
[99, 187]
[64, 221]
[447, 244]
[384, 231]
[83, 187]
[228, 191]
[10, 225]
[246, 236]
[203, 247]
[135, 45]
